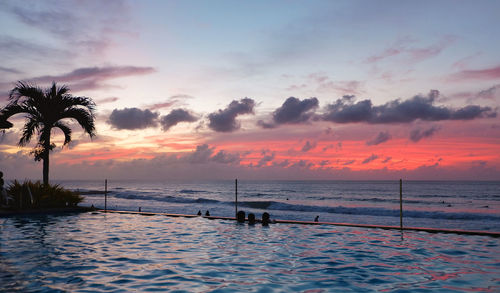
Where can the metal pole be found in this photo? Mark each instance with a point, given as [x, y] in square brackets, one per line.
[105, 194]
[236, 197]
[401, 203]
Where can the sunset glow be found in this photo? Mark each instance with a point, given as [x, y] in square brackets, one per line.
[205, 91]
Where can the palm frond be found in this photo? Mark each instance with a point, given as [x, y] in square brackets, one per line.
[26, 90]
[12, 109]
[29, 129]
[71, 101]
[84, 117]
[66, 130]
[4, 124]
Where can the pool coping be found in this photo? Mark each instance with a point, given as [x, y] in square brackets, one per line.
[77, 209]
[419, 229]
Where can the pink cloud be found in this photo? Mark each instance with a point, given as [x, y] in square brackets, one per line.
[413, 54]
[487, 73]
[344, 87]
[107, 100]
[176, 100]
[462, 63]
[389, 52]
[87, 78]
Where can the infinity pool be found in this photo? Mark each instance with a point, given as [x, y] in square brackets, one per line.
[123, 253]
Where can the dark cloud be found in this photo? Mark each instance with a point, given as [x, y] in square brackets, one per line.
[350, 162]
[282, 164]
[489, 93]
[225, 120]
[308, 146]
[472, 111]
[302, 164]
[204, 154]
[265, 125]
[324, 163]
[386, 160]
[201, 155]
[293, 111]
[398, 111]
[132, 118]
[267, 157]
[418, 134]
[176, 116]
[224, 157]
[380, 138]
[370, 159]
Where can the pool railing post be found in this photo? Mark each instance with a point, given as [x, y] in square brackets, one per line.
[401, 203]
[235, 197]
[105, 194]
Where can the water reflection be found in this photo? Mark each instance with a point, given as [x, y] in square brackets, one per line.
[110, 252]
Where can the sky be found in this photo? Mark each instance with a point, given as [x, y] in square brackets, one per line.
[288, 90]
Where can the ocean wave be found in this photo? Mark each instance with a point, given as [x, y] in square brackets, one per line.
[168, 198]
[384, 212]
[191, 191]
[90, 191]
[271, 205]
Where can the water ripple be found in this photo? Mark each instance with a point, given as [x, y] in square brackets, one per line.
[123, 253]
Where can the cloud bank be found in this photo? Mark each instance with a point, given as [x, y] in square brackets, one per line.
[132, 119]
[176, 116]
[397, 111]
[225, 120]
[419, 134]
[293, 111]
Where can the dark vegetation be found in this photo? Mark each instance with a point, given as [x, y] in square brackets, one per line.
[36, 195]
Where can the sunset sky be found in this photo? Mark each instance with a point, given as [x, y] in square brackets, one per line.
[262, 89]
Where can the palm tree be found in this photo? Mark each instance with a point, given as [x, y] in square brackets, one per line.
[4, 124]
[46, 109]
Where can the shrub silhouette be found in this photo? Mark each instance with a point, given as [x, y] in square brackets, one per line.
[44, 196]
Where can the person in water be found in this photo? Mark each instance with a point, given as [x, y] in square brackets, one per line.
[240, 217]
[316, 219]
[199, 213]
[251, 219]
[266, 219]
[207, 214]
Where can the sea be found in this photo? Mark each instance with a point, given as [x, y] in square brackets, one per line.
[466, 205]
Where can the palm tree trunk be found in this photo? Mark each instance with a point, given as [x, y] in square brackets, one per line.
[46, 160]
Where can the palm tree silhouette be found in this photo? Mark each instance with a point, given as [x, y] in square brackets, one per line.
[46, 109]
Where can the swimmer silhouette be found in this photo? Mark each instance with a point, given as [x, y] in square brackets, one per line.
[316, 219]
[199, 213]
[251, 219]
[240, 217]
[207, 214]
[265, 219]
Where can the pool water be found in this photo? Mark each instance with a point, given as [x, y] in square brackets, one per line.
[123, 253]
